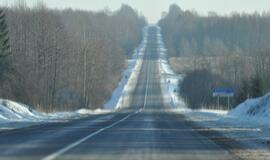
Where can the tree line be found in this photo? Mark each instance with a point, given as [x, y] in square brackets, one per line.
[198, 86]
[222, 51]
[188, 33]
[66, 59]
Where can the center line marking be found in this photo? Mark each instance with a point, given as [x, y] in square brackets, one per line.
[75, 144]
[146, 90]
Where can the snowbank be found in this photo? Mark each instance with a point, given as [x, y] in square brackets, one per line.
[253, 110]
[17, 115]
[248, 123]
[12, 113]
[239, 125]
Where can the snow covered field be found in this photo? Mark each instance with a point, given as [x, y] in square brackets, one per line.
[248, 124]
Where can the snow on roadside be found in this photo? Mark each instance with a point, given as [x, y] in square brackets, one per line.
[113, 102]
[254, 110]
[248, 123]
[168, 78]
[16, 115]
[121, 96]
[125, 98]
[252, 135]
[169, 85]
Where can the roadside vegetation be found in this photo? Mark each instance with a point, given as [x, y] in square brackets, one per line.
[59, 60]
[232, 48]
[197, 88]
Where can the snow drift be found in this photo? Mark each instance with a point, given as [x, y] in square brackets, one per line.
[255, 110]
[249, 120]
[11, 111]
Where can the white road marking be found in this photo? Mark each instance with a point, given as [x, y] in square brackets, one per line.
[75, 144]
[147, 85]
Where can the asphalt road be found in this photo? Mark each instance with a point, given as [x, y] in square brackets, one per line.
[143, 131]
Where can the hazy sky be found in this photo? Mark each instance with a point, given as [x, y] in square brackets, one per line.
[152, 9]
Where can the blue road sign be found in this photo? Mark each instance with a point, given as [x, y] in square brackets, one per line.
[223, 92]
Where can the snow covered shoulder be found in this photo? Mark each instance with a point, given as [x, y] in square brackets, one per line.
[16, 115]
[168, 78]
[248, 123]
[121, 96]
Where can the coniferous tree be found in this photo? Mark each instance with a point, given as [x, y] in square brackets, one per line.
[4, 45]
[244, 91]
[258, 86]
[44, 43]
[4, 39]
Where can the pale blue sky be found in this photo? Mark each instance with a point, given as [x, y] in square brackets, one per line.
[152, 9]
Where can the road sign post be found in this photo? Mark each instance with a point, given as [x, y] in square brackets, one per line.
[218, 102]
[223, 92]
[228, 103]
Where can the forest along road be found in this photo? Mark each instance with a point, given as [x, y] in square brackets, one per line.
[144, 131]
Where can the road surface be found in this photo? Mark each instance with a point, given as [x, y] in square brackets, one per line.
[144, 131]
